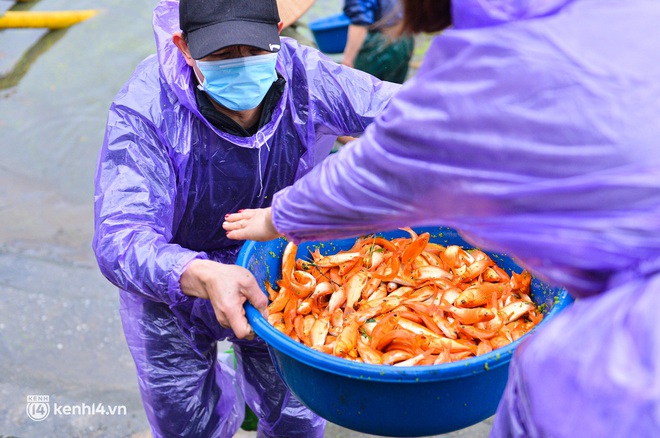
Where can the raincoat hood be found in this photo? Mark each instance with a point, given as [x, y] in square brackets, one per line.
[174, 68]
[481, 13]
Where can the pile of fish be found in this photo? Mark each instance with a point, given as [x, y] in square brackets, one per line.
[405, 301]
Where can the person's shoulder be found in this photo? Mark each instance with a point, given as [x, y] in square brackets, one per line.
[295, 58]
[292, 52]
[147, 71]
[143, 90]
[291, 48]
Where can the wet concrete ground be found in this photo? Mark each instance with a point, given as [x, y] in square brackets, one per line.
[60, 332]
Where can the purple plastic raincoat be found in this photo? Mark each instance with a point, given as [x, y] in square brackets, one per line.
[165, 180]
[533, 127]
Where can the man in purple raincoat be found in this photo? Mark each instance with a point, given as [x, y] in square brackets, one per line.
[223, 117]
[533, 127]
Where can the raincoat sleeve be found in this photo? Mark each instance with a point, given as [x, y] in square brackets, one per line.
[342, 100]
[134, 208]
[472, 142]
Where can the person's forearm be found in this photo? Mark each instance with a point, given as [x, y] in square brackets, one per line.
[141, 262]
[355, 39]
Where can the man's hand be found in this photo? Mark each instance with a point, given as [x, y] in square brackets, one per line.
[227, 287]
[250, 224]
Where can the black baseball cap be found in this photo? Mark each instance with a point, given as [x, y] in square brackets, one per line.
[210, 25]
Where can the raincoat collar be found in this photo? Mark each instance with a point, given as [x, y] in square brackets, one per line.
[483, 13]
[173, 66]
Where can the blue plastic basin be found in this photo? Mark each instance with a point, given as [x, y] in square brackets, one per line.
[387, 400]
[330, 33]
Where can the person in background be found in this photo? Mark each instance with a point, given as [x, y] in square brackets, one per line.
[532, 128]
[226, 114]
[372, 44]
[290, 12]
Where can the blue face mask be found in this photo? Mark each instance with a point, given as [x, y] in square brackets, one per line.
[239, 83]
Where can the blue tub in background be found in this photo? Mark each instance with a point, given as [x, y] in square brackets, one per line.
[386, 400]
[330, 33]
